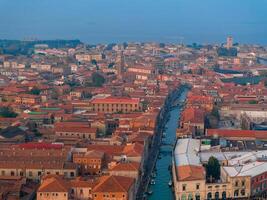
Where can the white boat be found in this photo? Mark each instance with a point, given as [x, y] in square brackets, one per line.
[149, 192]
[152, 182]
[170, 183]
[154, 175]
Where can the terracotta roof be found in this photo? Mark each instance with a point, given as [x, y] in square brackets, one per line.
[116, 100]
[78, 182]
[108, 149]
[75, 129]
[237, 133]
[53, 184]
[135, 149]
[114, 184]
[90, 154]
[41, 145]
[190, 172]
[128, 166]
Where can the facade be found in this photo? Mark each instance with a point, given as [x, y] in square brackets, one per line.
[91, 162]
[114, 105]
[235, 181]
[35, 160]
[27, 99]
[75, 130]
[114, 187]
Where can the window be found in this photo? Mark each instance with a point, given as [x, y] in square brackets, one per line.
[243, 192]
[197, 197]
[41, 194]
[224, 195]
[12, 173]
[21, 173]
[190, 197]
[184, 187]
[72, 174]
[236, 193]
[197, 186]
[30, 173]
[217, 195]
[236, 183]
[243, 183]
[3, 173]
[209, 196]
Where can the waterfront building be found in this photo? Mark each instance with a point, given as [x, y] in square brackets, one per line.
[242, 174]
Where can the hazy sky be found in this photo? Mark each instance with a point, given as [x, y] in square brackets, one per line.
[135, 20]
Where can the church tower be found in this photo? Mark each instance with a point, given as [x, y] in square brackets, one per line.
[120, 65]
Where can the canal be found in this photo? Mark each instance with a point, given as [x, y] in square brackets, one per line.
[161, 189]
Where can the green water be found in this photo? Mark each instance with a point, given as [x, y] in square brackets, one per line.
[161, 190]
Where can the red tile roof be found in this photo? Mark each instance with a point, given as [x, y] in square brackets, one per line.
[237, 133]
[190, 173]
[114, 184]
[41, 145]
[116, 100]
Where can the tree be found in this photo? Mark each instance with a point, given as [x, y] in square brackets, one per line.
[111, 65]
[213, 168]
[252, 102]
[35, 91]
[97, 80]
[215, 112]
[94, 62]
[7, 112]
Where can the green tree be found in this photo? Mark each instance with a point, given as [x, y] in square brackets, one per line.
[215, 112]
[94, 62]
[35, 91]
[213, 168]
[7, 112]
[252, 102]
[97, 80]
[111, 65]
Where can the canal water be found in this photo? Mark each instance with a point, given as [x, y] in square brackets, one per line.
[161, 189]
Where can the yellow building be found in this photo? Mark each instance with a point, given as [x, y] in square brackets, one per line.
[114, 105]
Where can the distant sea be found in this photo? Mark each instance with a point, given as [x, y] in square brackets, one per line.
[107, 21]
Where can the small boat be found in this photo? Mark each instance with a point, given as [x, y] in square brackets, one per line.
[164, 135]
[149, 192]
[153, 175]
[152, 182]
[170, 183]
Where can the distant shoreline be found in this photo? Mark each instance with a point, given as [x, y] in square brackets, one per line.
[40, 41]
